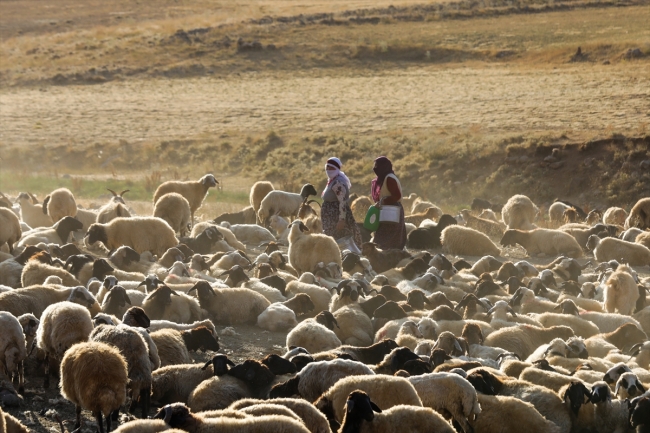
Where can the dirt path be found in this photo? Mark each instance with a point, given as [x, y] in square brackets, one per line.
[499, 98]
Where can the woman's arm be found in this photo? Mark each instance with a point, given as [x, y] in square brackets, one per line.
[395, 194]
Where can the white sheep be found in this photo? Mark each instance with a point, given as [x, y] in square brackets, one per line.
[36, 299]
[10, 231]
[313, 336]
[164, 303]
[312, 417]
[277, 317]
[62, 325]
[520, 213]
[60, 203]
[13, 349]
[140, 233]
[250, 233]
[230, 306]
[231, 242]
[283, 203]
[461, 240]
[543, 241]
[621, 291]
[355, 327]
[112, 210]
[521, 416]
[259, 190]
[175, 209]
[643, 239]
[628, 386]
[59, 233]
[35, 272]
[281, 227]
[306, 250]
[615, 215]
[31, 212]
[94, 377]
[556, 212]
[194, 191]
[639, 215]
[359, 408]
[320, 296]
[616, 249]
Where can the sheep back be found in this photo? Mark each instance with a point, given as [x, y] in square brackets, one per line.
[519, 212]
[10, 230]
[461, 240]
[617, 249]
[639, 215]
[171, 347]
[94, 376]
[310, 249]
[60, 203]
[175, 210]
[312, 336]
[510, 415]
[218, 392]
[259, 190]
[62, 325]
[140, 233]
[12, 343]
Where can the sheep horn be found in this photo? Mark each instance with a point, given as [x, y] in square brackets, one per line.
[313, 201]
[457, 346]
[124, 192]
[634, 350]
[168, 414]
[207, 364]
[112, 192]
[34, 199]
[511, 311]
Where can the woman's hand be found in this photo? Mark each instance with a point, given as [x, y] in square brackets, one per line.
[340, 225]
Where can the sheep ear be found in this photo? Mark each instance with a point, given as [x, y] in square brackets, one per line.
[618, 386]
[208, 233]
[457, 346]
[207, 364]
[127, 299]
[229, 362]
[374, 407]
[350, 406]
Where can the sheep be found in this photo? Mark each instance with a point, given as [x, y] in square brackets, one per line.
[146, 426]
[521, 416]
[250, 233]
[59, 233]
[543, 241]
[315, 335]
[639, 215]
[389, 391]
[616, 249]
[306, 250]
[524, 339]
[431, 213]
[178, 415]
[94, 377]
[112, 210]
[355, 327]
[175, 383]
[582, 235]
[641, 352]
[284, 203]
[174, 346]
[40, 267]
[12, 348]
[270, 293]
[643, 239]
[259, 190]
[164, 303]
[407, 202]
[35, 299]
[231, 241]
[193, 191]
[359, 408]
[60, 203]
[429, 237]
[244, 216]
[621, 292]
[450, 394]
[556, 212]
[10, 231]
[314, 420]
[249, 379]
[230, 306]
[277, 317]
[489, 227]
[140, 233]
[360, 206]
[615, 215]
[461, 240]
[31, 212]
[320, 296]
[420, 206]
[627, 386]
[581, 327]
[383, 260]
[519, 213]
[11, 270]
[134, 350]
[175, 209]
[62, 325]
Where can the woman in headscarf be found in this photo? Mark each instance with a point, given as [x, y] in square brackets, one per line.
[335, 213]
[386, 190]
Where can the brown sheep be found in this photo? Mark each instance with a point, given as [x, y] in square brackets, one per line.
[383, 260]
[639, 215]
[193, 191]
[258, 192]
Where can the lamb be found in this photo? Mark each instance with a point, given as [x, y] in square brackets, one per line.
[314, 420]
[432, 213]
[134, 350]
[461, 240]
[524, 339]
[10, 231]
[486, 226]
[178, 415]
[317, 377]
[244, 216]
[616, 249]
[519, 213]
[306, 250]
[259, 190]
[164, 303]
[615, 215]
[639, 215]
[360, 407]
[315, 335]
[175, 383]
[621, 292]
[450, 394]
[12, 348]
[140, 233]
[543, 241]
[283, 203]
[389, 391]
[230, 306]
[174, 346]
[556, 212]
[60, 203]
[94, 377]
[35, 299]
[175, 209]
[250, 233]
[383, 260]
[62, 325]
[31, 212]
[193, 191]
[59, 233]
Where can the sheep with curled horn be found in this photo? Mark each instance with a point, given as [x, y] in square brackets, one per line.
[118, 197]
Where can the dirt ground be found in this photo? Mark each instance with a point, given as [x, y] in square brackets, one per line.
[496, 98]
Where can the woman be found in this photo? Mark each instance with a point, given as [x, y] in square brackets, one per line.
[386, 190]
[335, 213]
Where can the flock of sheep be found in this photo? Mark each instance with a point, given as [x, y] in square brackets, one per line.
[449, 335]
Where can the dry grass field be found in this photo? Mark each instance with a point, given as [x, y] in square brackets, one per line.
[467, 97]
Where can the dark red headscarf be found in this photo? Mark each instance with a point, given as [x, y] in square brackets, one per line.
[382, 168]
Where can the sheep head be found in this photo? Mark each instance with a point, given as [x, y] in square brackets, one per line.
[220, 364]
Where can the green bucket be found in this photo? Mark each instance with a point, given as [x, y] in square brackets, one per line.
[372, 219]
